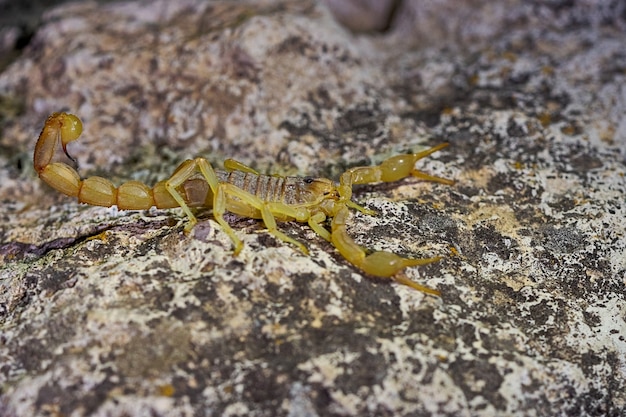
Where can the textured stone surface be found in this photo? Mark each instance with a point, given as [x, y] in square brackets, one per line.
[113, 313]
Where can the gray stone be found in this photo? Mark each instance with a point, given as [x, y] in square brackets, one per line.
[112, 313]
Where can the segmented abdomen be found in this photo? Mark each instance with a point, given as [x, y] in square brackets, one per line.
[266, 187]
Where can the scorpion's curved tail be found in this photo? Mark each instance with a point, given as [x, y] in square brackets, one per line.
[97, 191]
[380, 264]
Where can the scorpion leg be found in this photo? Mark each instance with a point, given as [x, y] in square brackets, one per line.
[185, 171]
[182, 173]
[233, 165]
[267, 210]
[381, 264]
[219, 202]
[315, 223]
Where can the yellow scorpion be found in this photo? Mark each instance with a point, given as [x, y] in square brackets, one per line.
[243, 191]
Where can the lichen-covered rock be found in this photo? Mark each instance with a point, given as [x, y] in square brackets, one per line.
[110, 313]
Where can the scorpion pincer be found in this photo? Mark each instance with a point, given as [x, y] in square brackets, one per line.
[242, 190]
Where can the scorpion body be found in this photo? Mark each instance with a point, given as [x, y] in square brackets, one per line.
[241, 190]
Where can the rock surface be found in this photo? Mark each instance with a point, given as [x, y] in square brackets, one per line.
[110, 313]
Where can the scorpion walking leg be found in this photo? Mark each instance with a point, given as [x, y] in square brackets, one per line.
[182, 173]
[315, 223]
[186, 170]
[381, 264]
[267, 209]
[219, 202]
[233, 165]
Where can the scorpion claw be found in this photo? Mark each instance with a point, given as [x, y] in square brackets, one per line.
[404, 280]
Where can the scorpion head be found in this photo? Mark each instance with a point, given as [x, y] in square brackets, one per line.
[313, 191]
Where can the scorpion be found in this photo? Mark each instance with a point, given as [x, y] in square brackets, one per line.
[241, 190]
